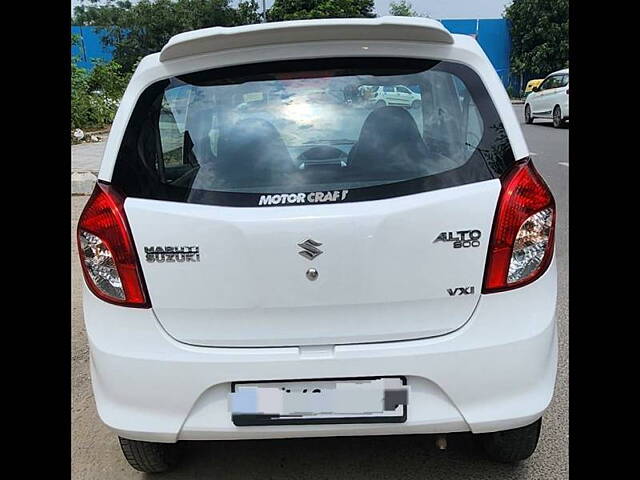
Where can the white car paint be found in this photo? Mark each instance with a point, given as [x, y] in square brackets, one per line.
[478, 363]
[497, 372]
[353, 299]
[218, 39]
[552, 94]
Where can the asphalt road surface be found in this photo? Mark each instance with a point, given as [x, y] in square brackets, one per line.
[96, 454]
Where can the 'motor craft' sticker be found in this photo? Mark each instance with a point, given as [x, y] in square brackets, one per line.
[301, 198]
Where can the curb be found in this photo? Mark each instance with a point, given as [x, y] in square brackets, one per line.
[102, 134]
[82, 183]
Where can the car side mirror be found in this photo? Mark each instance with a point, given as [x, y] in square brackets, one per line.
[535, 89]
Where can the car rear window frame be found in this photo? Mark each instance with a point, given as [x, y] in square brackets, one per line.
[490, 160]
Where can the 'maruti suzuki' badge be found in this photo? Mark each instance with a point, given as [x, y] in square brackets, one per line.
[172, 254]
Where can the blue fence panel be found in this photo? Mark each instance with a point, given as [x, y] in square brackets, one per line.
[466, 27]
[91, 46]
[492, 35]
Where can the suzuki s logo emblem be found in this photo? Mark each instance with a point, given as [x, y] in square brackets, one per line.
[310, 249]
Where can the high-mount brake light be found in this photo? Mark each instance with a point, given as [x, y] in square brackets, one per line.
[521, 244]
[107, 252]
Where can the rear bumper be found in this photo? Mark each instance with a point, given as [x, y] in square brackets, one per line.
[496, 372]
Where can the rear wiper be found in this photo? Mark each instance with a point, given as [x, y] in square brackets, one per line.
[187, 147]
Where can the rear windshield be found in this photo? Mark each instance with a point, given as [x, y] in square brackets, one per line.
[296, 132]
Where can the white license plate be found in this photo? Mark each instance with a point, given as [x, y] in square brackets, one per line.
[364, 400]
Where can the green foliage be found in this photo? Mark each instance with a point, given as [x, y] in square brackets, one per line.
[513, 93]
[247, 13]
[136, 30]
[95, 95]
[76, 41]
[539, 36]
[403, 8]
[91, 13]
[109, 78]
[305, 9]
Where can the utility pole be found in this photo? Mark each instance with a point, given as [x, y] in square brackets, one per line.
[264, 11]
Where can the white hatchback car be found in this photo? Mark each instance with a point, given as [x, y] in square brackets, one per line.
[307, 269]
[390, 95]
[550, 99]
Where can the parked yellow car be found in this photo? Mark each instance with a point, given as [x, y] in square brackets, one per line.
[530, 84]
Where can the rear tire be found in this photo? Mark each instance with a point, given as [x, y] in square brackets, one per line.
[511, 446]
[415, 104]
[557, 117]
[380, 103]
[150, 457]
[528, 119]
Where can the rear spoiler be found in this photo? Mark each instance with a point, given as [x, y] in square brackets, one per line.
[216, 39]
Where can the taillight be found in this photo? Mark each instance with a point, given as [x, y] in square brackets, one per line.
[521, 244]
[107, 253]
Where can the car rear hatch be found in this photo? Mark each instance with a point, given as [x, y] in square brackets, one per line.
[380, 277]
[266, 216]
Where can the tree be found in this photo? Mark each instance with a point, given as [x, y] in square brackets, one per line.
[92, 13]
[136, 30]
[303, 9]
[247, 13]
[539, 36]
[404, 8]
[95, 94]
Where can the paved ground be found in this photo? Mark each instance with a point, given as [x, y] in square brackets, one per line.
[96, 455]
[86, 157]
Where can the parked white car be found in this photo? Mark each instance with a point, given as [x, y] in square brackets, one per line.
[319, 270]
[398, 95]
[550, 99]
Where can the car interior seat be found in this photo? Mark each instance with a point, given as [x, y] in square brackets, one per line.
[251, 153]
[389, 145]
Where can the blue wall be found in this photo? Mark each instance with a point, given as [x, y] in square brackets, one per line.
[492, 35]
[90, 47]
